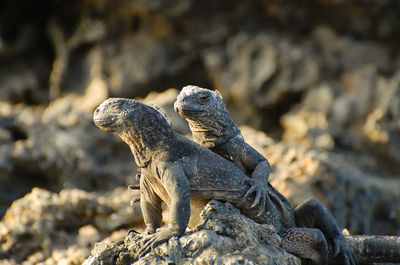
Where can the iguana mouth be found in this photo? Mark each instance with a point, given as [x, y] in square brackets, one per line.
[188, 112]
[104, 122]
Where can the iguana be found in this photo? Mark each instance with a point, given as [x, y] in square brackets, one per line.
[213, 128]
[184, 174]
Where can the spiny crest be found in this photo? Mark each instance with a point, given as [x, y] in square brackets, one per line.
[120, 104]
[192, 90]
[126, 105]
[161, 111]
[219, 93]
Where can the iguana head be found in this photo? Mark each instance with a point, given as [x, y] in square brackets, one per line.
[194, 102]
[121, 114]
[207, 115]
[143, 127]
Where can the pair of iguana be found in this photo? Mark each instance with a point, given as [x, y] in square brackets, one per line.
[184, 174]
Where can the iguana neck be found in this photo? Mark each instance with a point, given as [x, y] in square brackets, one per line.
[145, 143]
[148, 135]
[141, 152]
[215, 134]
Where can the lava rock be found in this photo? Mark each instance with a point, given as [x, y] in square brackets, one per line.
[46, 226]
[223, 236]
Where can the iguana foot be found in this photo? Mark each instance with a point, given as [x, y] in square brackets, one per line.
[341, 251]
[261, 198]
[153, 240]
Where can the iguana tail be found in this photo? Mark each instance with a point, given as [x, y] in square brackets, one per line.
[375, 248]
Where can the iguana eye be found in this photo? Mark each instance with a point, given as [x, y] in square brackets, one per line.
[204, 97]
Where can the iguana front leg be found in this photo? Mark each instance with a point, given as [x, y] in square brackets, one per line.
[177, 190]
[259, 168]
[175, 182]
[150, 204]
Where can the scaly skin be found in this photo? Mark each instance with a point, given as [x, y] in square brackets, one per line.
[178, 171]
[212, 127]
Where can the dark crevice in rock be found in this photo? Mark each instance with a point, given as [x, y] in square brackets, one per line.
[15, 132]
[18, 134]
[271, 115]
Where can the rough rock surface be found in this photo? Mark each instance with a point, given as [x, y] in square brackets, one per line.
[223, 236]
[52, 228]
[58, 147]
[344, 182]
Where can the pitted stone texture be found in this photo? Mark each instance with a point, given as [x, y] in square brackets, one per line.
[223, 236]
[48, 226]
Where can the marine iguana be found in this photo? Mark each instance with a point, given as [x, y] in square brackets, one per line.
[182, 173]
[213, 128]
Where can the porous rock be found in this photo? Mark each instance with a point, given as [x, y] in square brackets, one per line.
[263, 69]
[344, 182]
[46, 226]
[58, 147]
[223, 236]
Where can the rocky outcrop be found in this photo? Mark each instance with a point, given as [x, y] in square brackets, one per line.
[223, 236]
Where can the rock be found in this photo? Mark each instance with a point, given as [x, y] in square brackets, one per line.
[223, 236]
[308, 128]
[49, 147]
[348, 185]
[353, 16]
[22, 82]
[48, 227]
[361, 117]
[261, 69]
[150, 62]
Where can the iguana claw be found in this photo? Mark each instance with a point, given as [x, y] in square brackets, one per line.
[247, 181]
[155, 239]
[342, 250]
[261, 197]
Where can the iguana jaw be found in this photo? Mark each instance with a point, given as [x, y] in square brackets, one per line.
[186, 112]
[103, 119]
[109, 116]
[104, 122]
[193, 102]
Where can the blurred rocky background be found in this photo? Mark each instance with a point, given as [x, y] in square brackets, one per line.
[314, 84]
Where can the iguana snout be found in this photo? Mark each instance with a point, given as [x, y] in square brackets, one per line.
[195, 101]
[110, 116]
[102, 117]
